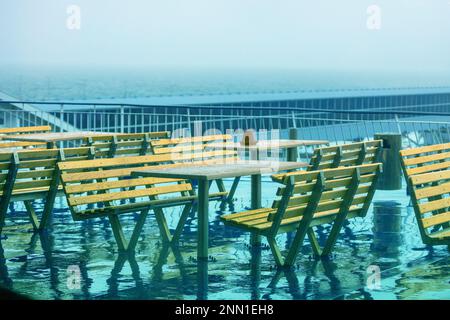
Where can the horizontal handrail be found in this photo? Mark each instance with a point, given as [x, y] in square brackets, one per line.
[249, 108]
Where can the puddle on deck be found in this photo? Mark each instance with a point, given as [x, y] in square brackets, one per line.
[48, 266]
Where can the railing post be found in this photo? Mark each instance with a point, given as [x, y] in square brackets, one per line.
[391, 177]
[122, 119]
[61, 119]
[292, 153]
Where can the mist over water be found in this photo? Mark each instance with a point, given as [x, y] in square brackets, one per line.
[153, 48]
[45, 84]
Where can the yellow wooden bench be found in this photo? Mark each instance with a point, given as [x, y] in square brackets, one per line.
[24, 130]
[5, 144]
[196, 144]
[427, 172]
[345, 155]
[187, 144]
[106, 188]
[21, 145]
[27, 175]
[308, 199]
[130, 144]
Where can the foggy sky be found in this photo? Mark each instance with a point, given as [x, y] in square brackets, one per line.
[319, 34]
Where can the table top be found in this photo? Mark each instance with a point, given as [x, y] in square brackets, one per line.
[55, 136]
[208, 171]
[9, 150]
[266, 144]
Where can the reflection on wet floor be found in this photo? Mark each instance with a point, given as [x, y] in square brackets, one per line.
[79, 260]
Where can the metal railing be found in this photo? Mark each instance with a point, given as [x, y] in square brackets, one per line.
[336, 126]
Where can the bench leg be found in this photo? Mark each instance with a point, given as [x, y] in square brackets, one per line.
[137, 230]
[221, 187]
[2, 219]
[162, 260]
[181, 223]
[297, 243]
[233, 189]
[334, 233]
[332, 238]
[314, 243]
[276, 278]
[122, 244]
[118, 266]
[275, 251]
[46, 214]
[32, 214]
[162, 224]
[118, 232]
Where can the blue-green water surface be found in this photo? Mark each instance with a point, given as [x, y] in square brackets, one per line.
[41, 266]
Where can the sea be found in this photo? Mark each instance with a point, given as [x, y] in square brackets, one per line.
[68, 83]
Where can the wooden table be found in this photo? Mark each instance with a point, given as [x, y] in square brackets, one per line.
[52, 139]
[268, 145]
[205, 173]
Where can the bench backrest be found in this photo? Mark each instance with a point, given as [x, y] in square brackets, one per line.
[430, 195]
[108, 183]
[351, 154]
[132, 144]
[427, 173]
[21, 130]
[325, 193]
[21, 144]
[186, 145]
[35, 170]
[425, 159]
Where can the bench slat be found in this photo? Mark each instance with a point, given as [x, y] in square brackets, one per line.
[428, 168]
[323, 206]
[177, 149]
[348, 162]
[433, 191]
[426, 149]
[335, 183]
[98, 186]
[436, 219]
[140, 160]
[425, 159]
[176, 141]
[430, 177]
[352, 146]
[327, 195]
[300, 176]
[105, 197]
[25, 129]
[434, 205]
[345, 155]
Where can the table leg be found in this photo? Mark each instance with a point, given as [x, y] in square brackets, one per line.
[255, 272]
[202, 280]
[203, 221]
[256, 204]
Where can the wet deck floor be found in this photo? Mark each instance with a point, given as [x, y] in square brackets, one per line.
[48, 266]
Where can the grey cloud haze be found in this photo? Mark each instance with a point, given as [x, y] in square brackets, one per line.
[414, 34]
